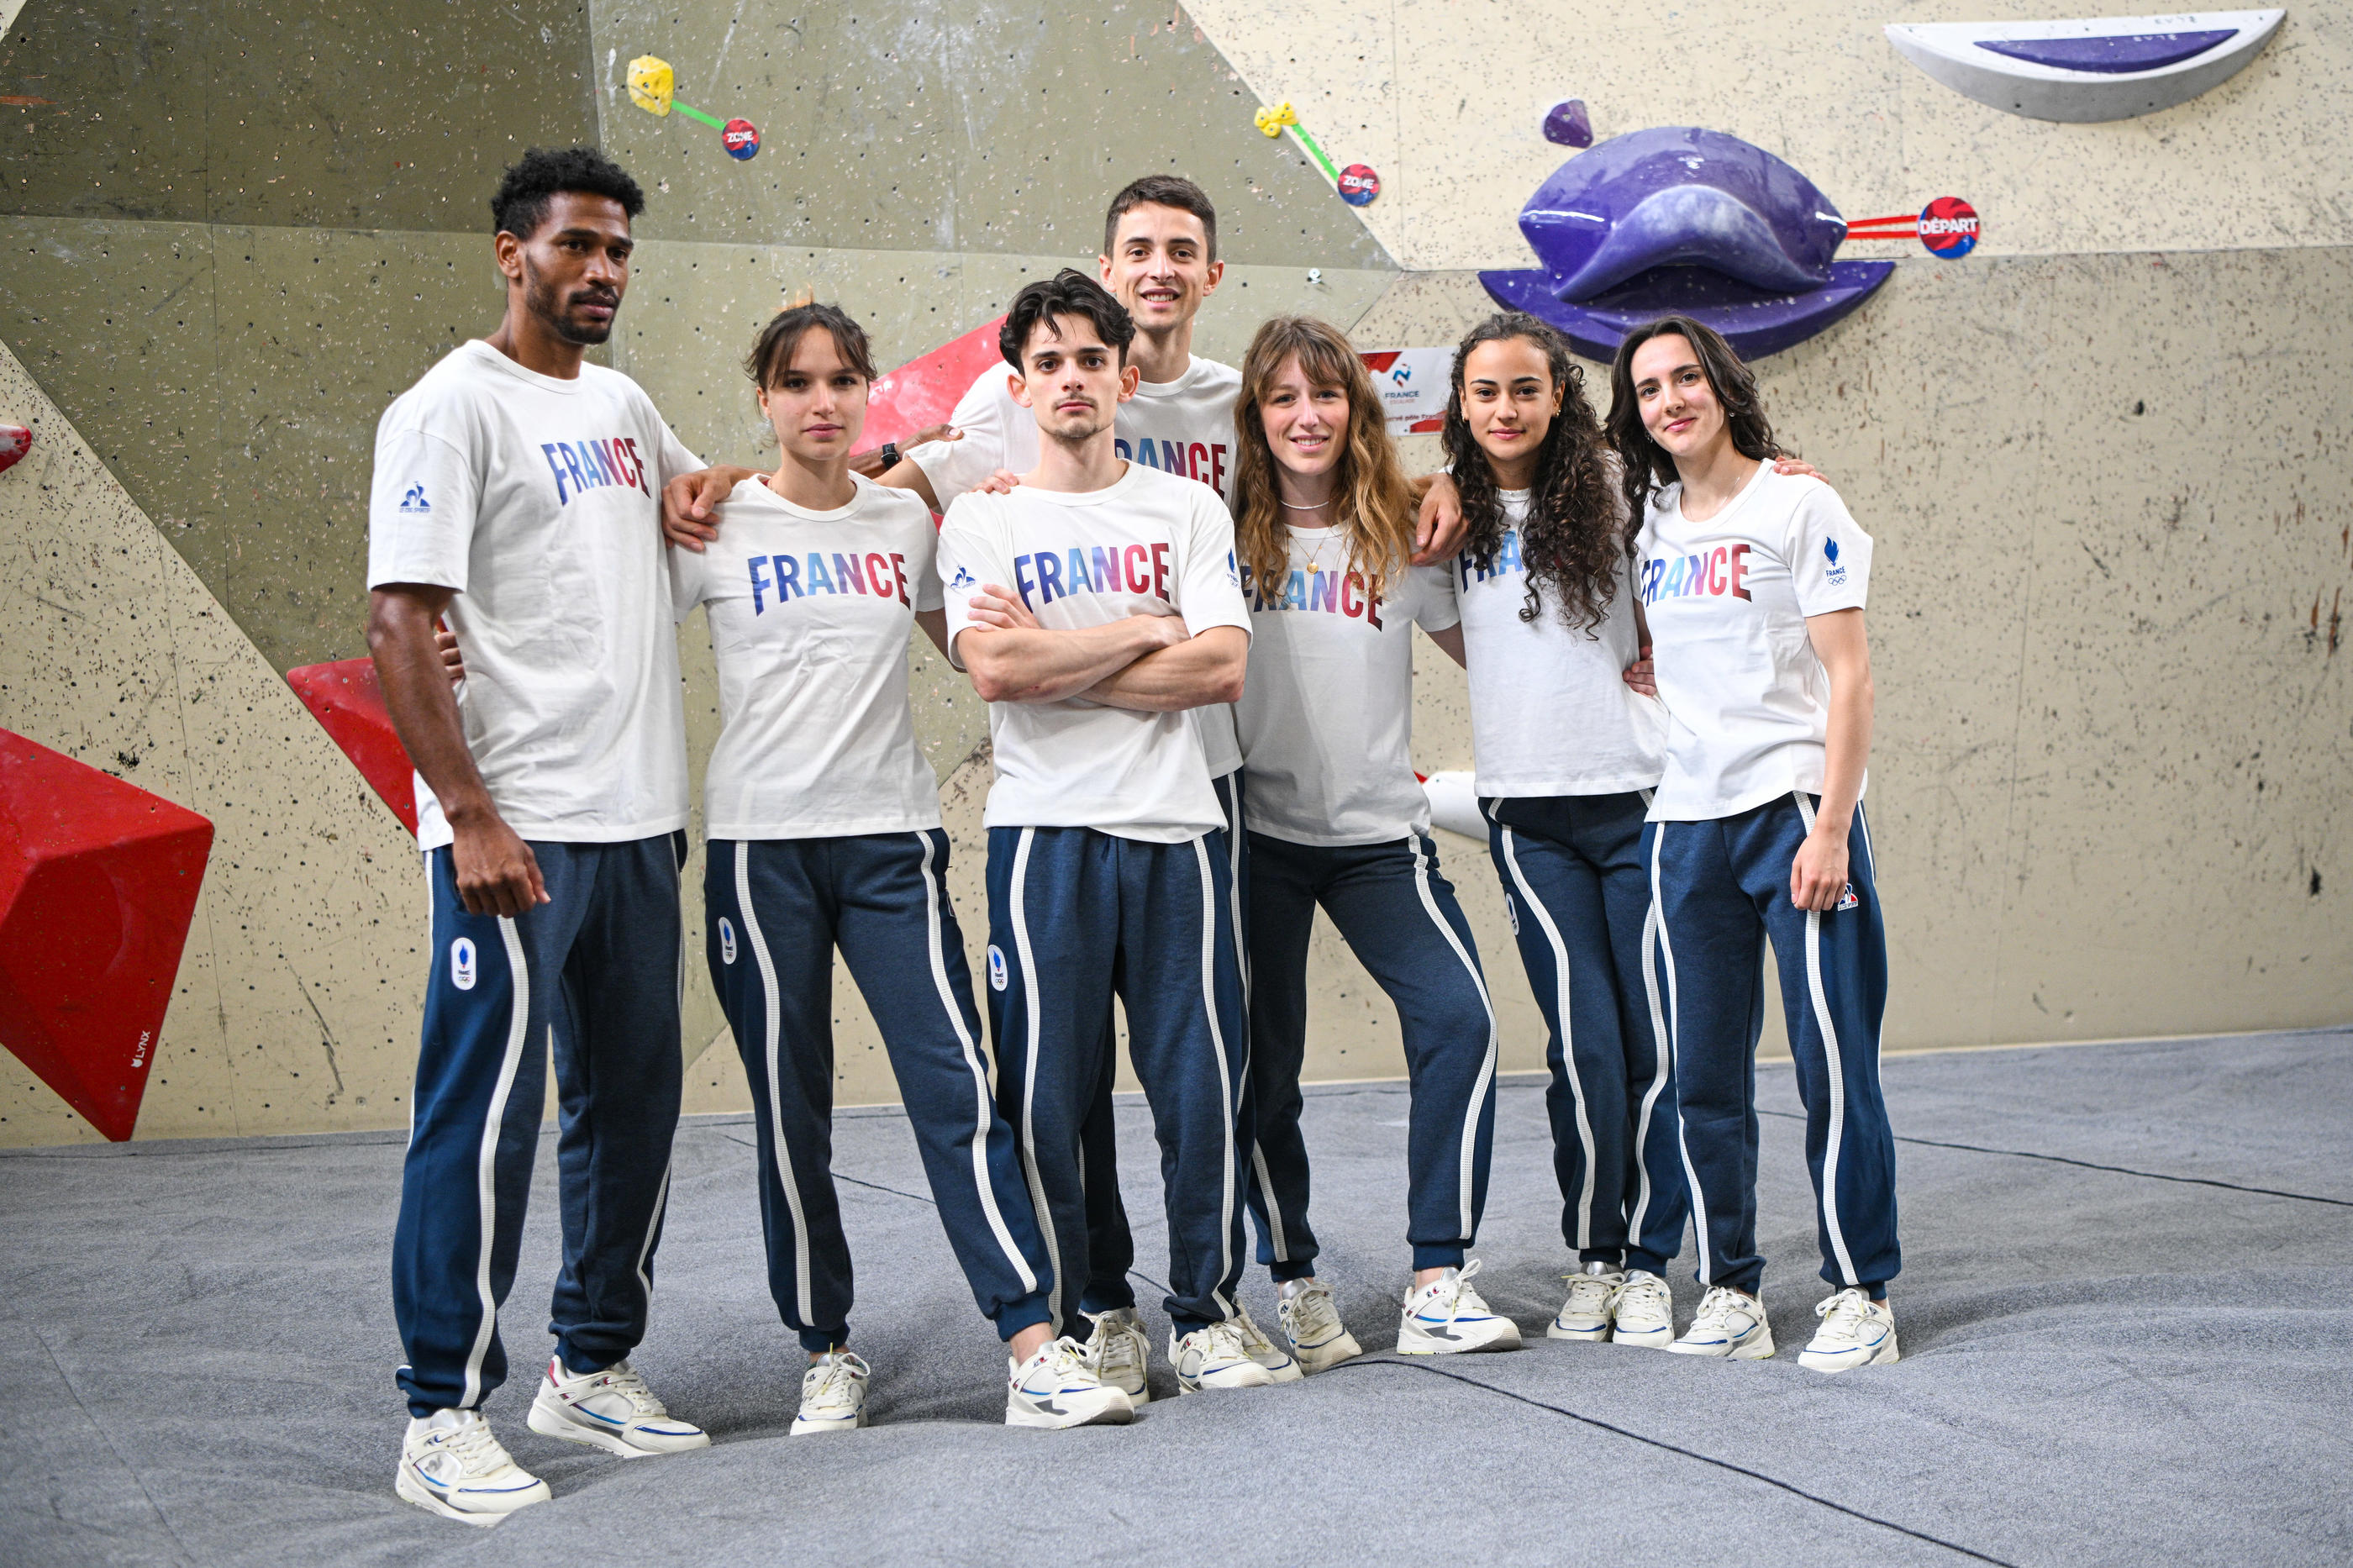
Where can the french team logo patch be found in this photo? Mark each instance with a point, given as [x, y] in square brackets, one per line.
[1835, 573]
[996, 967]
[462, 970]
[1847, 900]
[726, 940]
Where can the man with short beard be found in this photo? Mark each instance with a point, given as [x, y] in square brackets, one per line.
[516, 493]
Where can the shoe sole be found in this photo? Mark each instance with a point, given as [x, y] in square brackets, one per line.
[1758, 1349]
[804, 1429]
[1200, 1387]
[1646, 1339]
[1330, 1354]
[556, 1424]
[1413, 1343]
[1884, 1356]
[1114, 1412]
[410, 1492]
[1584, 1336]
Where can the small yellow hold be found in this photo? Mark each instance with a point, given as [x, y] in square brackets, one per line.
[1270, 121]
[651, 82]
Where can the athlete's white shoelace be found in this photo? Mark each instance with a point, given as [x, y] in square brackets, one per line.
[1590, 1291]
[1643, 1291]
[838, 1370]
[1060, 1358]
[621, 1378]
[1716, 1309]
[1314, 1315]
[1844, 1313]
[475, 1449]
[1223, 1342]
[1453, 1293]
[1112, 1343]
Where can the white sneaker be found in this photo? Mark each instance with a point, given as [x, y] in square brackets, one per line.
[1312, 1323]
[452, 1465]
[1446, 1316]
[1215, 1357]
[833, 1395]
[1059, 1387]
[613, 1410]
[1281, 1365]
[1120, 1353]
[1731, 1323]
[1642, 1313]
[1586, 1314]
[1856, 1331]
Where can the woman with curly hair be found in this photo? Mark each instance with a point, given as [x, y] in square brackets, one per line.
[1323, 524]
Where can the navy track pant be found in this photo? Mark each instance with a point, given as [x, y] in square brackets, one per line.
[1579, 891]
[774, 911]
[1111, 1246]
[596, 971]
[1720, 888]
[1400, 917]
[1075, 917]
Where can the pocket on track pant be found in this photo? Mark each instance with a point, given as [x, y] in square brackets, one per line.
[775, 910]
[1074, 916]
[1579, 891]
[1111, 1246]
[1720, 888]
[1399, 917]
[594, 971]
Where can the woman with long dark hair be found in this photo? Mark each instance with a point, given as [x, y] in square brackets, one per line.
[1753, 582]
[1323, 524]
[1566, 757]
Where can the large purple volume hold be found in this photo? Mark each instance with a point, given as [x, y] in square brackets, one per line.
[1679, 194]
[2115, 56]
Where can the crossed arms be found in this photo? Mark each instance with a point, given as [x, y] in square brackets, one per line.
[1147, 663]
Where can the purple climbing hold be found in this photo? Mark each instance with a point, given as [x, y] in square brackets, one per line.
[2112, 56]
[1569, 124]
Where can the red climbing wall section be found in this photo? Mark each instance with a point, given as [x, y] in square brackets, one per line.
[98, 881]
[345, 698]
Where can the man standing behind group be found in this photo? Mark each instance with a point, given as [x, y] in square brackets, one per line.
[516, 493]
[1093, 604]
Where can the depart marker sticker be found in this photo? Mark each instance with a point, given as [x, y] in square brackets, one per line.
[1947, 227]
[1356, 184]
[653, 88]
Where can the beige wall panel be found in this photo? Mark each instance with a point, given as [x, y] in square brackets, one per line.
[2107, 790]
[296, 1004]
[1447, 102]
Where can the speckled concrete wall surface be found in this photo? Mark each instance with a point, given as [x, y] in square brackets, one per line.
[2103, 456]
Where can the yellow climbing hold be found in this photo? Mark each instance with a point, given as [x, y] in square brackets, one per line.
[651, 83]
[1270, 121]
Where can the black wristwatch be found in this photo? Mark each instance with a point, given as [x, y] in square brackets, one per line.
[889, 456]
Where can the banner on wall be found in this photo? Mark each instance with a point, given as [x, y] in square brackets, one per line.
[1413, 385]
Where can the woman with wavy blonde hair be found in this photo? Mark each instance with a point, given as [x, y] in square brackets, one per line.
[1324, 530]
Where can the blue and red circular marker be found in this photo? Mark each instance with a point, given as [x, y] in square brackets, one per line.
[740, 138]
[1357, 185]
[1948, 228]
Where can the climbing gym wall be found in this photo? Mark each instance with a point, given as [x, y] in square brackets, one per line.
[2098, 452]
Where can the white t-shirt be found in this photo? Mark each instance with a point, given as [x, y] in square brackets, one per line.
[1182, 427]
[539, 501]
[1149, 544]
[810, 611]
[1550, 710]
[1748, 702]
[1326, 715]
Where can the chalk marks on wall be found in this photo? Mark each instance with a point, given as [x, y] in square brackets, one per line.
[653, 87]
[1357, 185]
[1677, 219]
[2084, 69]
